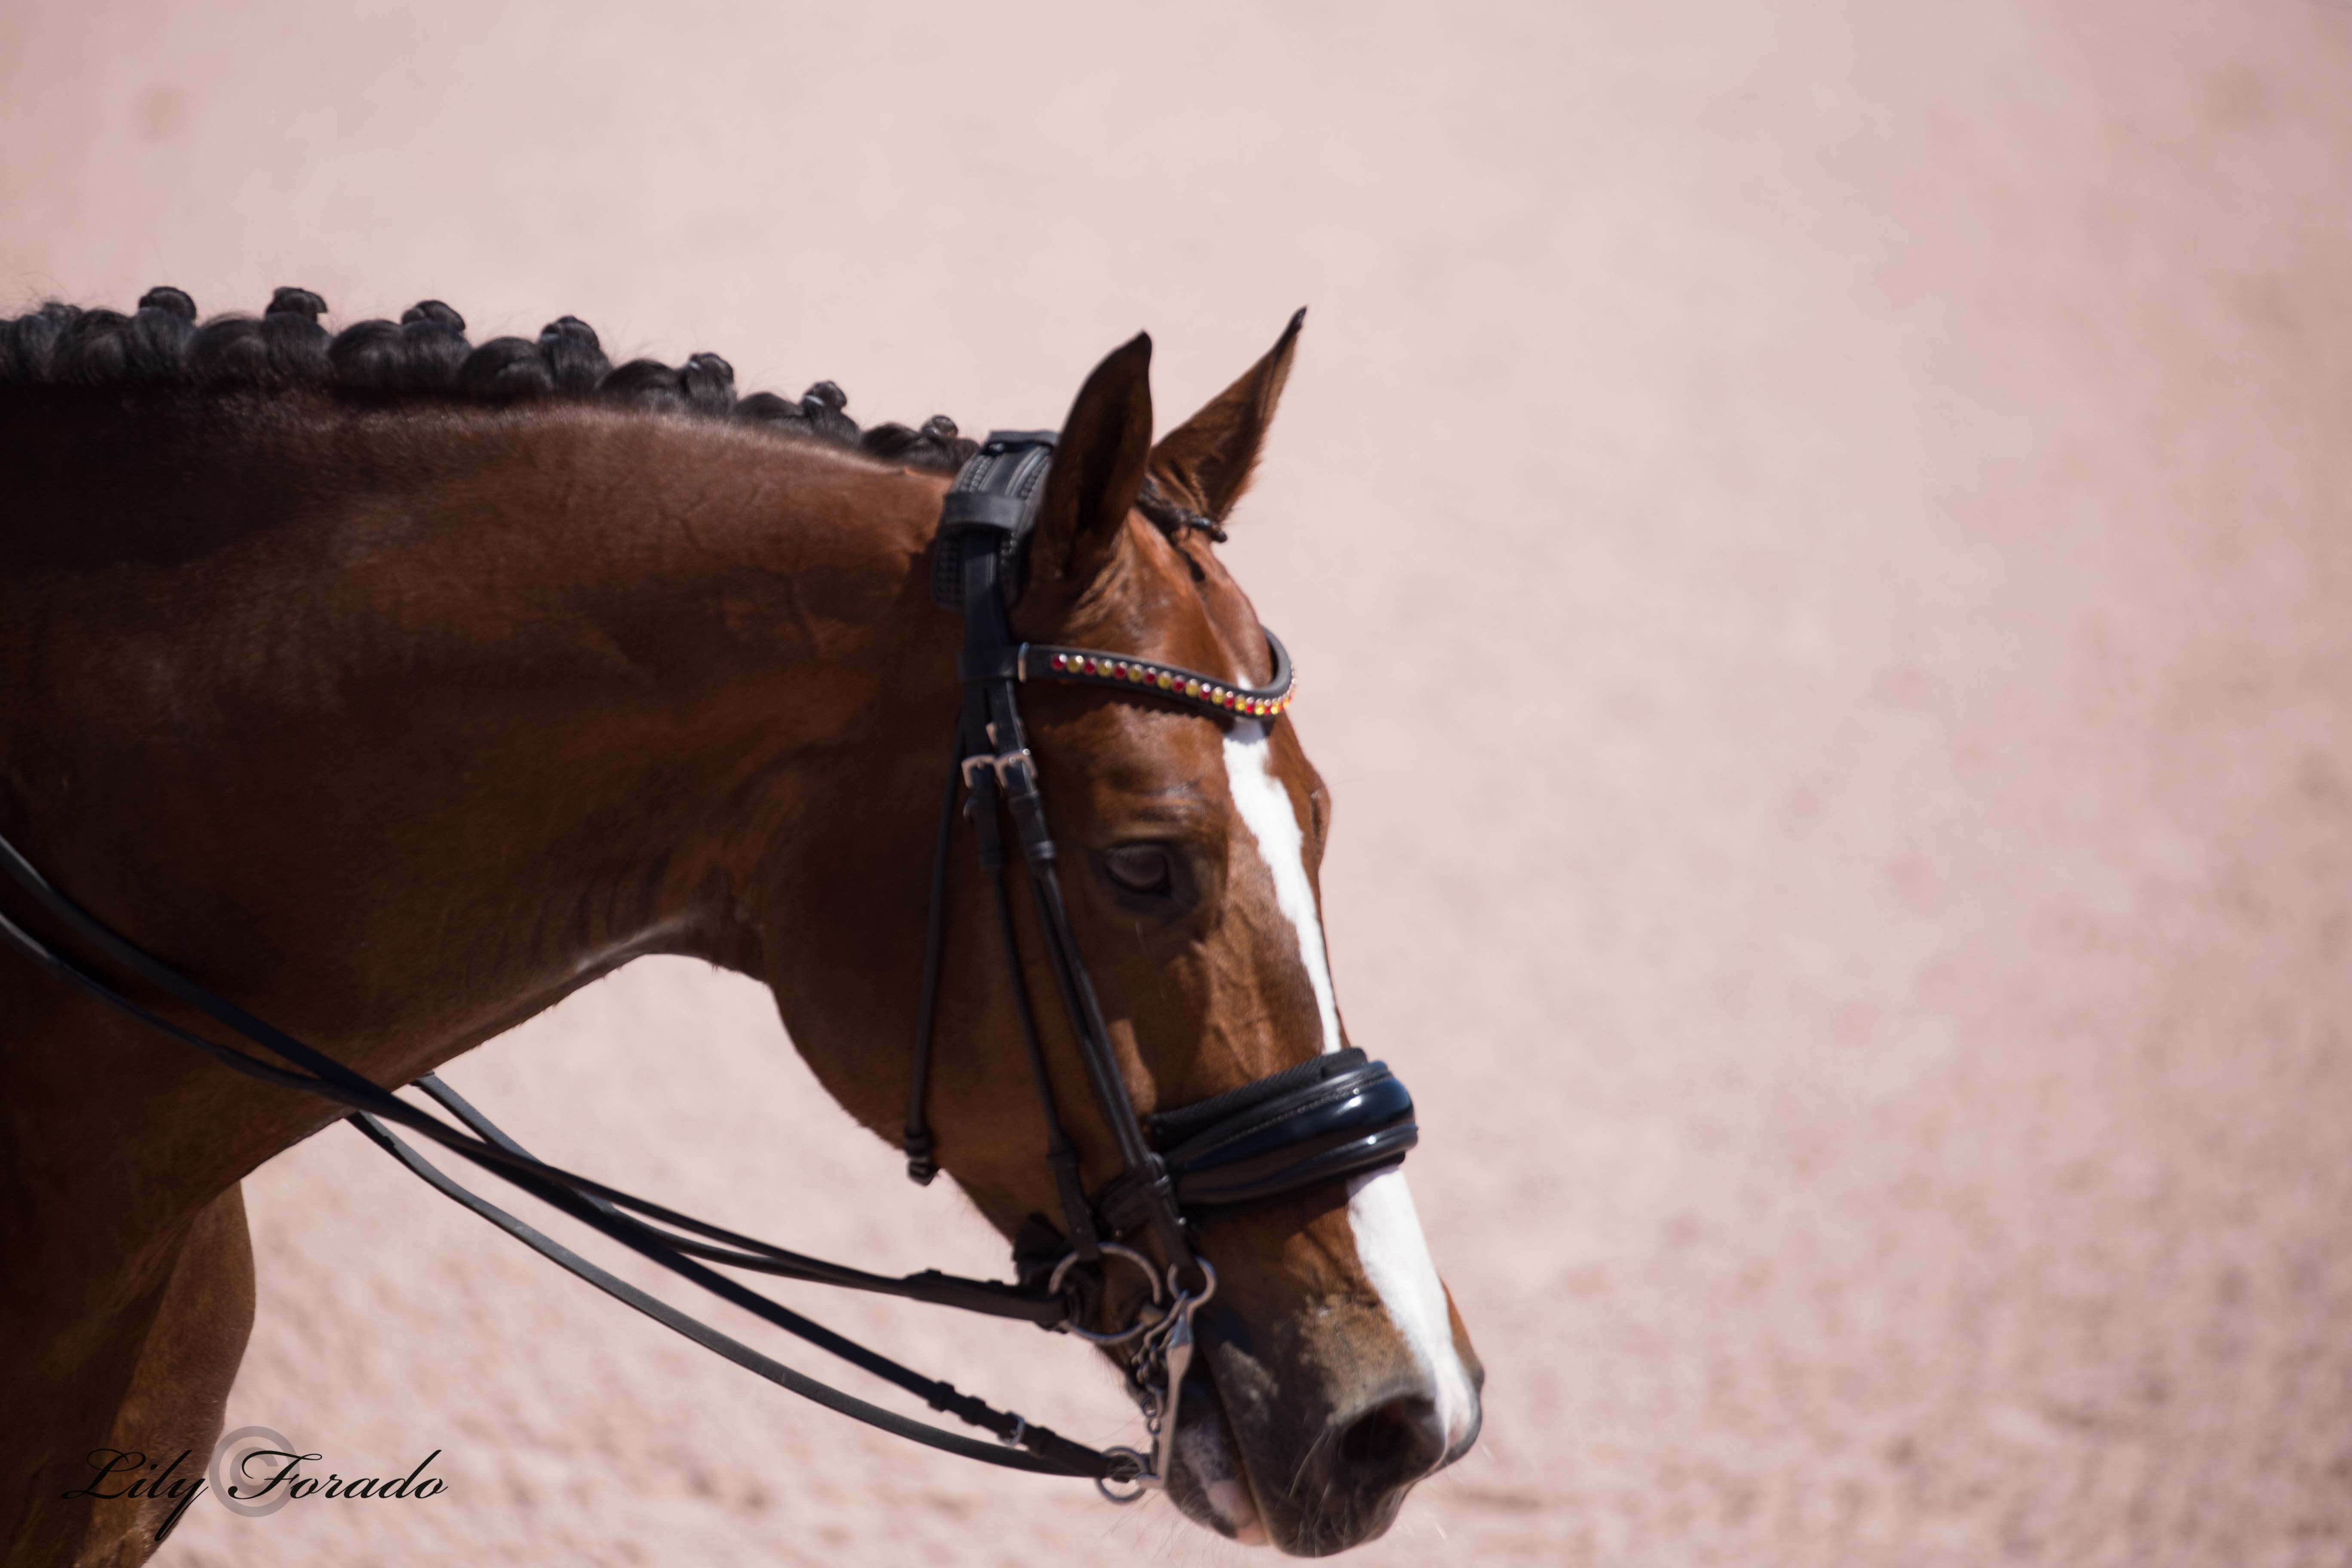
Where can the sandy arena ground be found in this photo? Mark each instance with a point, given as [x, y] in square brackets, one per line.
[1817, 537]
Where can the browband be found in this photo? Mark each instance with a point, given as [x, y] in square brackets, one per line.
[1042, 661]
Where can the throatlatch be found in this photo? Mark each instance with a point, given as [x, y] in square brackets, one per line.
[1307, 1126]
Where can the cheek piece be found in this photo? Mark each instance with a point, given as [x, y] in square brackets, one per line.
[1293, 1132]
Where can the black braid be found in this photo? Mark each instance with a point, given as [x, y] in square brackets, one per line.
[1163, 512]
[574, 358]
[709, 382]
[425, 354]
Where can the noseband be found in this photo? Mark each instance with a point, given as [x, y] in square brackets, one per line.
[1304, 1127]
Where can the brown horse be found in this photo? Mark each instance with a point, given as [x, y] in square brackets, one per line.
[396, 688]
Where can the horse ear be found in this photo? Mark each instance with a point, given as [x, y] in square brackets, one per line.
[1207, 459]
[1097, 468]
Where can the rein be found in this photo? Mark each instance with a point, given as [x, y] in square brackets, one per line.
[1305, 1127]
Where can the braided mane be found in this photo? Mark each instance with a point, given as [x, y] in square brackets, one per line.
[424, 355]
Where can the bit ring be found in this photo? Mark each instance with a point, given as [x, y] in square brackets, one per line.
[1139, 1475]
[1143, 1320]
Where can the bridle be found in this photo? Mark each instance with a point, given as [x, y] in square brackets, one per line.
[1329, 1119]
[1302, 1127]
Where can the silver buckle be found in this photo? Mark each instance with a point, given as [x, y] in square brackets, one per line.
[997, 763]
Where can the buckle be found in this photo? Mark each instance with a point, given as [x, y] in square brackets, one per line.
[999, 764]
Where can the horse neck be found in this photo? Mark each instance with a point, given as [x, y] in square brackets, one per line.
[465, 709]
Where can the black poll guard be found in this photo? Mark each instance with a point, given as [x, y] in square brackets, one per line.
[996, 497]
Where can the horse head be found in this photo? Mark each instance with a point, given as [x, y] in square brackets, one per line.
[1333, 1371]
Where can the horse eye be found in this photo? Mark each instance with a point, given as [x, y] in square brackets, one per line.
[1140, 867]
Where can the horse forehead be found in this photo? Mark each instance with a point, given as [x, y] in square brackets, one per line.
[1192, 608]
[1231, 620]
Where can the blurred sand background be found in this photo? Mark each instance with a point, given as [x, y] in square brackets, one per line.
[1818, 539]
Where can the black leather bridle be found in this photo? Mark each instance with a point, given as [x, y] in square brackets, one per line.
[1319, 1122]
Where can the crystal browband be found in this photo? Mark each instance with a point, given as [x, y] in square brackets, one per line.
[1038, 661]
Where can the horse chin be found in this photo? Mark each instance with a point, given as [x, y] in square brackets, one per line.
[1245, 1465]
[1207, 1483]
[1210, 1485]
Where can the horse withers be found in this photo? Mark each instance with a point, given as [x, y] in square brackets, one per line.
[396, 687]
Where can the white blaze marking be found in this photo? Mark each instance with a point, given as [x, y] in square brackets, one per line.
[1389, 1242]
[1396, 1259]
[1265, 808]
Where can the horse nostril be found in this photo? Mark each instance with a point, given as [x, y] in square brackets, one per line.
[1394, 1442]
